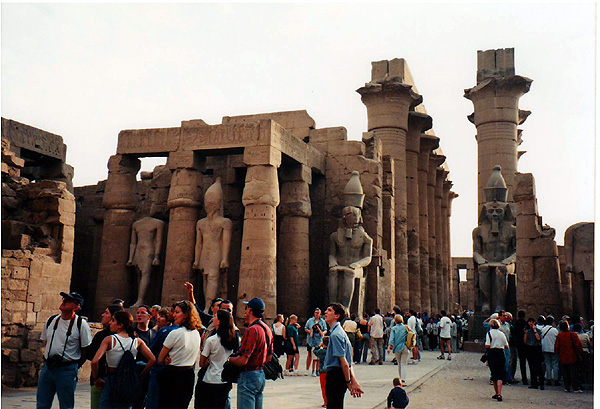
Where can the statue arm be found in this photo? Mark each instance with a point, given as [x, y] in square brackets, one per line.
[513, 245]
[366, 252]
[569, 250]
[198, 247]
[226, 244]
[332, 251]
[132, 246]
[477, 248]
[158, 240]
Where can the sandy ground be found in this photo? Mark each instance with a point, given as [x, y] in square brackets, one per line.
[464, 384]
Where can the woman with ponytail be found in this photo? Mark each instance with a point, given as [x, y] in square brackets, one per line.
[114, 346]
[211, 391]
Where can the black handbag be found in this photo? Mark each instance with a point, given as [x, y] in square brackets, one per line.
[230, 373]
[484, 357]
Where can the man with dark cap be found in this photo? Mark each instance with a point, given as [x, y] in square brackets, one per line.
[66, 336]
[256, 349]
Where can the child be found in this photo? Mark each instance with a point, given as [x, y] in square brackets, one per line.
[320, 353]
[397, 397]
[291, 346]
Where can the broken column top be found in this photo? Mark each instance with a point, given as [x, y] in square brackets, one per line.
[495, 63]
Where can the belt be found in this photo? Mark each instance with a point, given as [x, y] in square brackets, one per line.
[250, 369]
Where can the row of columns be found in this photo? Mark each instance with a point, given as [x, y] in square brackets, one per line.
[421, 203]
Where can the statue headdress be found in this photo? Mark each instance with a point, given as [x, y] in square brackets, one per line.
[496, 190]
[214, 194]
[353, 192]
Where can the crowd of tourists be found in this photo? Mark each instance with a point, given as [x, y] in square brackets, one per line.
[552, 351]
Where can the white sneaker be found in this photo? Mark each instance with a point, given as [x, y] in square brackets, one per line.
[412, 362]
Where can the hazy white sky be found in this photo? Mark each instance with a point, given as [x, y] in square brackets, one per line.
[86, 72]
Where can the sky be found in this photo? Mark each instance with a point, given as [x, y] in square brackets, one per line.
[87, 71]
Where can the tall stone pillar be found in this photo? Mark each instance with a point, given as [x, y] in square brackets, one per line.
[439, 237]
[258, 265]
[496, 116]
[293, 272]
[454, 278]
[445, 245]
[185, 199]
[120, 202]
[434, 271]
[388, 99]
[417, 124]
[427, 143]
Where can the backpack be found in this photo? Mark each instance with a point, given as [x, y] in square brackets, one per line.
[126, 382]
[411, 338]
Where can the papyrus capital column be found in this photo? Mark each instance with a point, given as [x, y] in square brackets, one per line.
[434, 212]
[293, 272]
[258, 265]
[446, 185]
[427, 143]
[388, 100]
[417, 124]
[185, 199]
[120, 203]
[454, 279]
[439, 236]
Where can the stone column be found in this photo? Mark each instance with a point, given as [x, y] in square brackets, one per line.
[120, 202]
[388, 103]
[434, 162]
[258, 265]
[445, 236]
[185, 199]
[439, 237]
[388, 239]
[417, 124]
[454, 278]
[293, 272]
[426, 145]
[496, 116]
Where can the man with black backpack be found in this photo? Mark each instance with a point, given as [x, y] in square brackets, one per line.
[66, 336]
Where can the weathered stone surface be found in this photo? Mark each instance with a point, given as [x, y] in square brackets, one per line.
[579, 263]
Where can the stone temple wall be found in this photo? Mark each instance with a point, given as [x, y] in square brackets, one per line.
[37, 251]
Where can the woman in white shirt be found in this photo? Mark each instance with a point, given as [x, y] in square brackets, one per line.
[176, 380]
[211, 391]
[496, 343]
[279, 335]
[114, 346]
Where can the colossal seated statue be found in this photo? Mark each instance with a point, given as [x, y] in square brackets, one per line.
[494, 245]
[350, 248]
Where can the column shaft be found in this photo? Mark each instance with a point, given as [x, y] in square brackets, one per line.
[424, 231]
[439, 239]
[433, 268]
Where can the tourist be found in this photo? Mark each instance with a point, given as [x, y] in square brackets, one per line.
[338, 360]
[411, 322]
[278, 329]
[397, 345]
[351, 328]
[146, 334]
[535, 358]
[65, 335]
[567, 347]
[432, 334]
[320, 352]
[453, 335]
[256, 349]
[465, 329]
[549, 333]
[315, 329]
[154, 313]
[211, 391]
[119, 302]
[97, 382]
[363, 345]
[204, 317]
[114, 346]
[397, 397]
[512, 344]
[376, 332]
[585, 364]
[445, 330]
[496, 343]
[291, 346]
[505, 327]
[520, 327]
[176, 380]
[165, 325]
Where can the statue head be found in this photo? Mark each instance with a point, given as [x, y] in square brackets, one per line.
[351, 216]
[213, 199]
[496, 209]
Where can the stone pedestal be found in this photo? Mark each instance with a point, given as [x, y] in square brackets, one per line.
[427, 144]
[120, 202]
[293, 273]
[417, 124]
[185, 199]
[258, 265]
[388, 101]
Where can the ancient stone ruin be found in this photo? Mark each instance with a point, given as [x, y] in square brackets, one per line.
[38, 219]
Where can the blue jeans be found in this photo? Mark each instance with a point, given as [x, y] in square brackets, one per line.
[250, 389]
[153, 387]
[509, 377]
[60, 381]
[551, 361]
[105, 402]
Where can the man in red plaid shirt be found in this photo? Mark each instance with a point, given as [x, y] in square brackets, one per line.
[256, 349]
